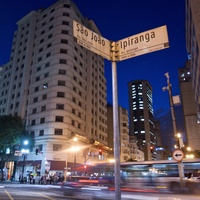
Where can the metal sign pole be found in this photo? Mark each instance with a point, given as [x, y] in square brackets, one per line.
[116, 133]
[180, 163]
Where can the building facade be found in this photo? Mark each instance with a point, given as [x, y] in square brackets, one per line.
[141, 116]
[56, 86]
[189, 108]
[193, 46]
[123, 129]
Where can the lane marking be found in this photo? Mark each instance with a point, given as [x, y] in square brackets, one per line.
[46, 196]
[10, 197]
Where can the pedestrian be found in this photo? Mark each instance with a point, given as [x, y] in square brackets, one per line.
[30, 178]
[33, 179]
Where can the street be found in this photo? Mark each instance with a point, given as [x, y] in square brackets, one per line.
[16, 191]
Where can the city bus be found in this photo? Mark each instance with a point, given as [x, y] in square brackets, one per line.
[159, 175]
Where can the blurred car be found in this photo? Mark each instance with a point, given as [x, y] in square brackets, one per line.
[86, 187]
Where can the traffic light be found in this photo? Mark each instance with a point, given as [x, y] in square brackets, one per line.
[36, 151]
[100, 152]
[151, 149]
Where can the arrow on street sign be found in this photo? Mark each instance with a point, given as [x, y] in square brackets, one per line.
[177, 155]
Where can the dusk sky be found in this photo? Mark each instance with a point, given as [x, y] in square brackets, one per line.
[117, 20]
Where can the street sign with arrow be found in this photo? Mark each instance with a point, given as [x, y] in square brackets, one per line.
[178, 155]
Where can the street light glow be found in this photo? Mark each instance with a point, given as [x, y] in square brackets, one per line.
[25, 151]
[25, 142]
[178, 135]
[189, 148]
[76, 148]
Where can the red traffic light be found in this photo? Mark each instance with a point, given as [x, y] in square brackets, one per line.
[151, 149]
[100, 152]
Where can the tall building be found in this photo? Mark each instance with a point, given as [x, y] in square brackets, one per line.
[193, 46]
[56, 86]
[123, 129]
[191, 96]
[141, 116]
[189, 108]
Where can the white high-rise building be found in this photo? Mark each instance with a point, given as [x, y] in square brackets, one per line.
[56, 86]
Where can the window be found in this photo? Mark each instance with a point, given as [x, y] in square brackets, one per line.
[59, 119]
[66, 6]
[57, 147]
[36, 89]
[62, 71]
[41, 132]
[42, 120]
[64, 41]
[45, 86]
[66, 14]
[62, 83]
[64, 32]
[63, 51]
[33, 122]
[40, 147]
[43, 108]
[65, 23]
[48, 54]
[35, 100]
[63, 61]
[60, 94]
[60, 106]
[48, 45]
[46, 75]
[34, 111]
[50, 27]
[44, 96]
[58, 132]
[47, 64]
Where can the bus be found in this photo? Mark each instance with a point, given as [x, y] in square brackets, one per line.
[160, 175]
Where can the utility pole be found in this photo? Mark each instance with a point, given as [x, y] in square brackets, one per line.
[180, 163]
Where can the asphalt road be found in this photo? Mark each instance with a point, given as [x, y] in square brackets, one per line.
[16, 191]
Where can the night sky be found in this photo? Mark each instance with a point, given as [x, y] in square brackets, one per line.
[117, 20]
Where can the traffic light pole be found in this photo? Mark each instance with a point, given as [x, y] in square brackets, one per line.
[116, 132]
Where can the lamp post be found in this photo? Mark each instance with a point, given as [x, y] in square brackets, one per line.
[24, 152]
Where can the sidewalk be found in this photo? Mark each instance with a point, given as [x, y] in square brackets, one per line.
[18, 184]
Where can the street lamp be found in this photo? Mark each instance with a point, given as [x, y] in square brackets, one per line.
[24, 152]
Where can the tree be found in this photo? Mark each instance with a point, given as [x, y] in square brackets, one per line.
[12, 133]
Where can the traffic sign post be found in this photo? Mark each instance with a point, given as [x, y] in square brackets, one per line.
[146, 42]
[178, 155]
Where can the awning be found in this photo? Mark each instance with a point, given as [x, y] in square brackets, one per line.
[35, 163]
[57, 165]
